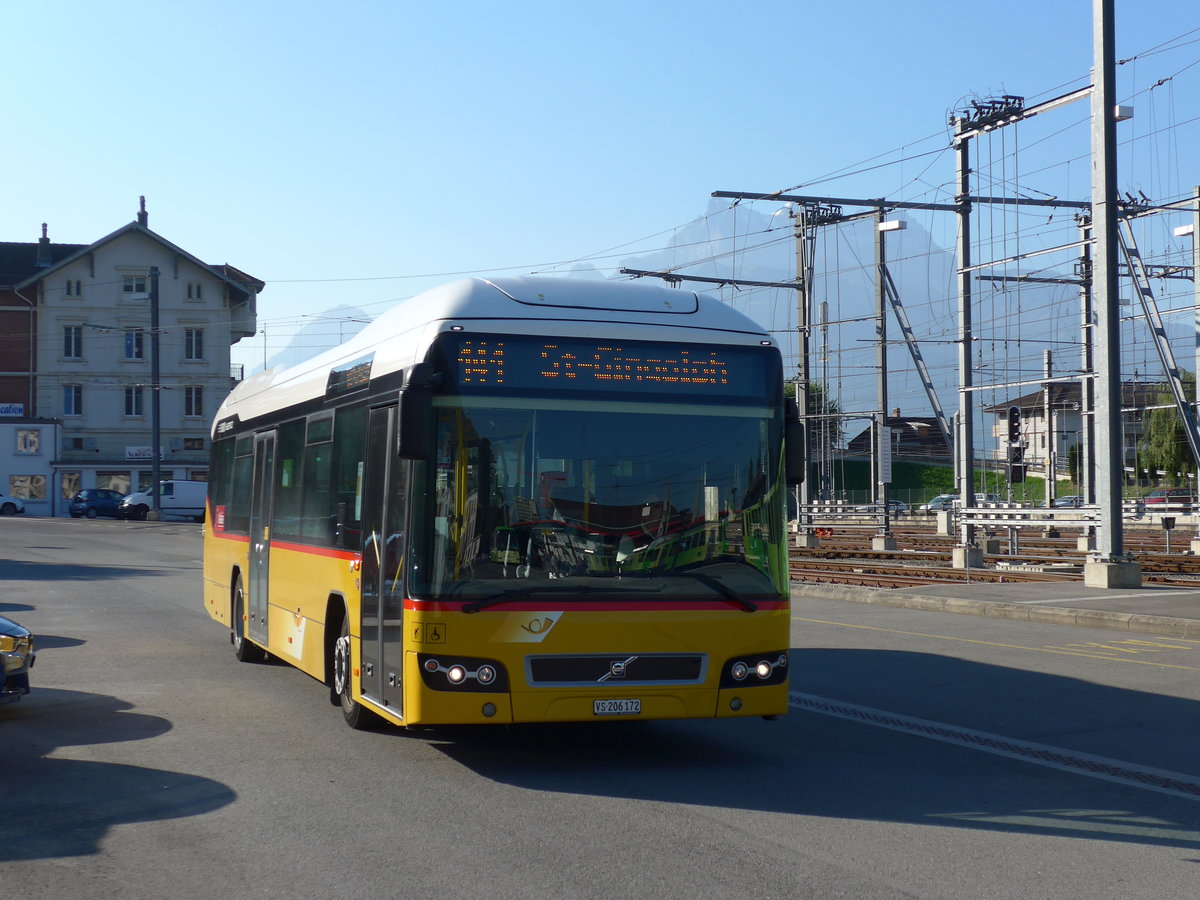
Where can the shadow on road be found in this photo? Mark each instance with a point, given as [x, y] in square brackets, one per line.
[62, 807]
[15, 607]
[813, 765]
[22, 570]
[55, 642]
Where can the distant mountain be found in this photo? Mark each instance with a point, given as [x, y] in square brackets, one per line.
[1012, 323]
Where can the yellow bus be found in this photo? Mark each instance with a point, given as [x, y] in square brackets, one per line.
[515, 500]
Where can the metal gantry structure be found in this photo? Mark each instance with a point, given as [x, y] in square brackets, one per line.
[1107, 250]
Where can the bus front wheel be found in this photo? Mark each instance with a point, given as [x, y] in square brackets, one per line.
[355, 714]
[242, 648]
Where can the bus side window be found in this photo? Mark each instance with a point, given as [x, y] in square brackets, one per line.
[315, 517]
[349, 447]
[289, 460]
[237, 518]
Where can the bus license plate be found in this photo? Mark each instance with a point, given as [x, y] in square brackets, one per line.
[617, 707]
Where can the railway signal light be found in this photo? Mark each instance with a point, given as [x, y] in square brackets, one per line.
[1016, 447]
[1014, 424]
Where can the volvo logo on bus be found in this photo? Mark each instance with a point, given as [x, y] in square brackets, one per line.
[617, 668]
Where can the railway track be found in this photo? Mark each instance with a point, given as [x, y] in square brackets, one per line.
[884, 573]
[849, 559]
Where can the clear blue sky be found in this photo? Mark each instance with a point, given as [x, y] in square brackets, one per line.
[340, 150]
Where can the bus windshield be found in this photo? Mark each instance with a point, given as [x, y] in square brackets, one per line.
[598, 499]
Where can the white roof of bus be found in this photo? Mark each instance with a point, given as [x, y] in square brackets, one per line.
[401, 336]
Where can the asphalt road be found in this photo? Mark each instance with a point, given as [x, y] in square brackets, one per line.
[928, 755]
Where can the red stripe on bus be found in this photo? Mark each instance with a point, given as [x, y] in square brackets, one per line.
[236, 538]
[591, 605]
[327, 552]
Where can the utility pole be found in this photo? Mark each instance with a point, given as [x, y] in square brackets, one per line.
[805, 535]
[1051, 456]
[967, 553]
[883, 435]
[1086, 457]
[155, 392]
[1194, 229]
[1107, 567]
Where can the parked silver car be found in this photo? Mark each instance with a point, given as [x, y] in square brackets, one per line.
[938, 504]
[943, 502]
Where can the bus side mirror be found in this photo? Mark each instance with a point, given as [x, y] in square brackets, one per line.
[793, 443]
[414, 415]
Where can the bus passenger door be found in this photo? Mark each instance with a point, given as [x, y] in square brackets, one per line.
[261, 498]
[384, 543]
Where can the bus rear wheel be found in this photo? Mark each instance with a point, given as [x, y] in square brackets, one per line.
[356, 715]
[243, 649]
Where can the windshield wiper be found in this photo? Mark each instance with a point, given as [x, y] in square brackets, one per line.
[723, 589]
[527, 592]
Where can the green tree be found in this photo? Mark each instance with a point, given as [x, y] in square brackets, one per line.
[825, 408]
[1164, 444]
[1075, 464]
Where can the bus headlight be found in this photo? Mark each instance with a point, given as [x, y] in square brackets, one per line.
[768, 668]
[460, 673]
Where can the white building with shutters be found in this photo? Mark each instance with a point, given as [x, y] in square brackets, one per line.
[91, 356]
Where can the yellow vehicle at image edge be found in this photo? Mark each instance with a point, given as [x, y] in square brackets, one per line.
[517, 500]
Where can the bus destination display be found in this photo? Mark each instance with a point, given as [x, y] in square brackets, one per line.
[506, 362]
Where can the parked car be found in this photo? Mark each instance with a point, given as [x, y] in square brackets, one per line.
[943, 502]
[1070, 501]
[175, 498]
[938, 504]
[1176, 496]
[11, 506]
[96, 502]
[895, 507]
[16, 659]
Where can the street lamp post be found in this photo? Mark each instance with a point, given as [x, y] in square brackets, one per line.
[155, 437]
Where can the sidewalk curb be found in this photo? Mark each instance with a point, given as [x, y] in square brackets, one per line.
[997, 609]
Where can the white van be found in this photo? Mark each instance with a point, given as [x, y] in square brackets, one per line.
[175, 498]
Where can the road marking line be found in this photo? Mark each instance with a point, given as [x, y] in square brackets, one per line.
[1161, 781]
[946, 637]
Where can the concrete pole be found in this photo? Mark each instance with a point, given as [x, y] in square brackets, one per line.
[966, 554]
[1108, 566]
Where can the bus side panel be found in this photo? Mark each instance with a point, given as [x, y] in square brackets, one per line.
[302, 580]
[223, 555]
